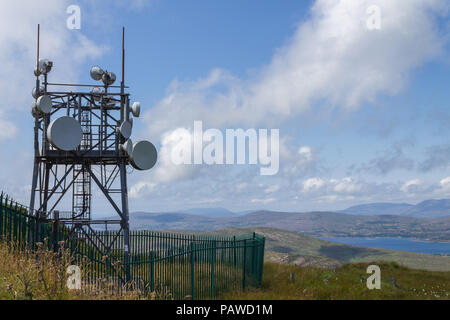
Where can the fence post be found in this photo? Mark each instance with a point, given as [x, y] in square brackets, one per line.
[192, 270]
[213, 260]
[244, 265]
[38, 227]
[55, 230]
[262, 260]
[15, 216]
[9, 218]
[234, 251]
[1, 216]
[152, 271]
[253, 255]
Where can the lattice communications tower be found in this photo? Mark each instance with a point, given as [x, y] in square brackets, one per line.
[81, 140]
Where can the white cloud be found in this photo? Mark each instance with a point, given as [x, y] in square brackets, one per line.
[18, 29]
[306, 153]
[68, 50]
[347, 185]
[166, 170]
[332, 57]
[241, 186]
[272, 189]
[445, 183]
[263, 201]
[141, 188]
[331, 61]
[7, 129]
[411, 185]
[313, 184]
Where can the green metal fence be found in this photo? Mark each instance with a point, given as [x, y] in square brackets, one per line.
[166, 265]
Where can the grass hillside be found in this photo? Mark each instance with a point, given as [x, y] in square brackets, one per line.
[294, 248]
[41, 275]
[347, 282]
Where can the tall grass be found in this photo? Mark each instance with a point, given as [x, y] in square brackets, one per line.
[347, 282]
[41, 274]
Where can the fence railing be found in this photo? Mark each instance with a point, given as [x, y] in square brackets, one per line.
[168, 265]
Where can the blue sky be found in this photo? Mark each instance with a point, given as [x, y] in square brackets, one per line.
[363, 115]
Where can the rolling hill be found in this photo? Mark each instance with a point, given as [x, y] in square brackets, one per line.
[429, 209]
[293, 248]
[317, 224]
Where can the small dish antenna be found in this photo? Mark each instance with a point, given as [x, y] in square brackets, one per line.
[125, 129]
[127, 147]
[34, 110]
[97, 73]
[45, 66]
[36, 94]
[136, 109]
[108, 78]
[44, 104]
[144, 155]
[65, 133]
[96, 93]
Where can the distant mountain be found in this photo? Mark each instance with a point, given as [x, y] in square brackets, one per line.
[376, 209]
[429, 209]
[211, 212]
[317, 224]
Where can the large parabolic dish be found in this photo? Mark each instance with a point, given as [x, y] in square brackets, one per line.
[65, 133]
[144, 155]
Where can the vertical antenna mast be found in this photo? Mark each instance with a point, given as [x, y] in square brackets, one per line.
[36, 132]
[37, 60]
[123, 56]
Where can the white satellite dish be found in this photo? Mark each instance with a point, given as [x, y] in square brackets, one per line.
[144, 155]
[125, 129]
[127, 147]
[96, 93]
[97, 73]
[34, 110]
[136, 109]
[108, 78]
[44, 104]
[36, 94]
[65, 133]
[45, 66]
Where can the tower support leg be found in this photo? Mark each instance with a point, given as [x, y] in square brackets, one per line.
[125, 219]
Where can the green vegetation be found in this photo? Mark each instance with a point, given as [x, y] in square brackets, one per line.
[347, 282]
[172, 265]
[41, 274]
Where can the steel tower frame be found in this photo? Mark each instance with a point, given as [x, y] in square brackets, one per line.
[98, 160]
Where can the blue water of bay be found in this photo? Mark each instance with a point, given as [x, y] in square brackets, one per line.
[402, 244]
